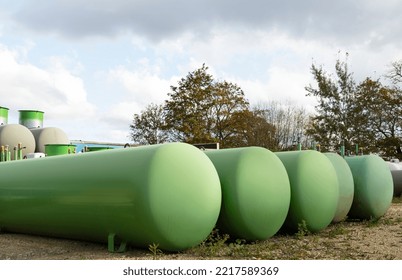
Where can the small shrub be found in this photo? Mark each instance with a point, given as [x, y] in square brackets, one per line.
[302, 229]
[154, 249]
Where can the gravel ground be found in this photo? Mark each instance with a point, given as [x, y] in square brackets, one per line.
[377, 240]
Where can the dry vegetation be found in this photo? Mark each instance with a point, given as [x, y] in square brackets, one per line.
[380, 240]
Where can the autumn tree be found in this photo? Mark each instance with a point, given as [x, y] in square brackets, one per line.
[149, 127]
[254, 130]
[200, 109]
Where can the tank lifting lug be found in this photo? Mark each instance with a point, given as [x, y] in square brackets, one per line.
[111, 244]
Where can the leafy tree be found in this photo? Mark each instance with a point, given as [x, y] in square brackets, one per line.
[381, 106]
[149, 127]
[202, 110]
[337, 119]
[367, 113]
[188, 107]
[253, 130]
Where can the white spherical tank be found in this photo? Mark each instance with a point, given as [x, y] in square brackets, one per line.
[13, 134]
[48, 135]
[394, 165]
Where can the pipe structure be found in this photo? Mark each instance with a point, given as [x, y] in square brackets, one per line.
[342, 150]
[168, 195]
[255, 192]
[7, 153]
[2, 154]
[19, 151]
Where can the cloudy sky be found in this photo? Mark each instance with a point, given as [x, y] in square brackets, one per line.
[90, 65]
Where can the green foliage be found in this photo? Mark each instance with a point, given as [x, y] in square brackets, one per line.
[214, 243]
[335, 120]
[381, 108]
[149, 126]
[201, 110]
[155, 251]
[302, 229]
[397, 199]
[367, 113]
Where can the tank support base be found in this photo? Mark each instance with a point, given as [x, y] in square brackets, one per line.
[111, 244]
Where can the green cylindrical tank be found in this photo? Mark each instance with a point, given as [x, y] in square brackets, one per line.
[373, 186]
[59, 149]
[31, 118]
[162, 194]
[48, 135]
[3, 115]
[255, 192]
[314, 189]
[345, 184]
[97, 148]
[13, 134]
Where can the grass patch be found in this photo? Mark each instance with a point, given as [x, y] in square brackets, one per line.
[346, 240]
[337, 229]
[302, 229]
[397, 199]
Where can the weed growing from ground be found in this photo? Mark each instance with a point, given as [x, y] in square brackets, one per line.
[302, 229]
[155, 251]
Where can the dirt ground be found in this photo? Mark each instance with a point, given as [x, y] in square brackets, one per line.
[377, 240]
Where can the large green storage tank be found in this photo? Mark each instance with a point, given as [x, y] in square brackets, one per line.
[255, 192]
[163, 194]
[345, 184]
[373, 186]
[97, 148]
[314, 189]
[59, 149]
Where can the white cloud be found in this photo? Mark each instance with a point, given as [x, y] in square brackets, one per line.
[266, 47]
[54, 90]
[137, 88]
[343, 20]
[141, 86]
